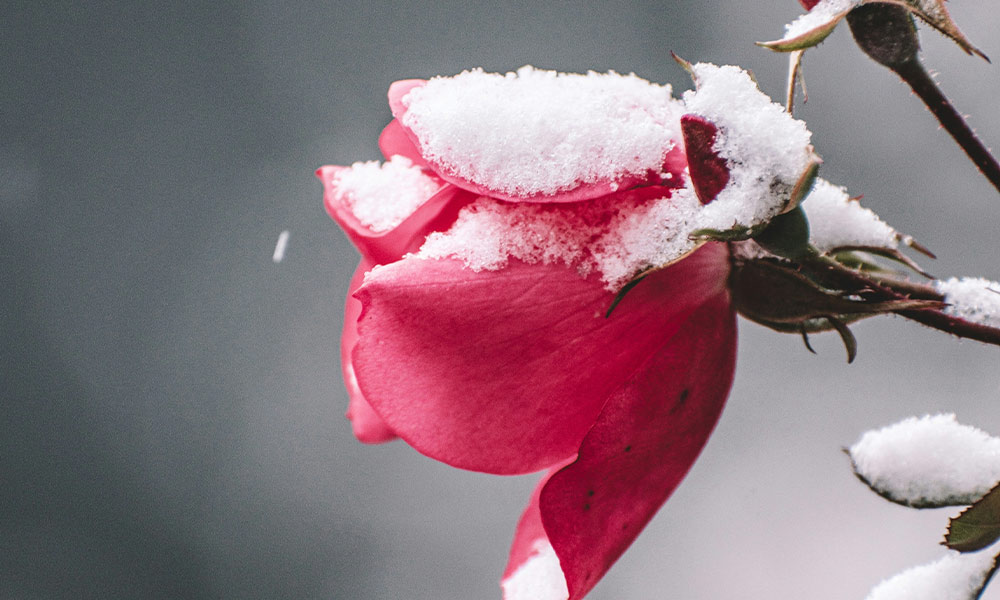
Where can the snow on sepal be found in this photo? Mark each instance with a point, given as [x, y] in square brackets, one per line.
[928, 462]
[813, 27]
[952, 577]
[539, 578]
[972, 299]
[977, 526]
[838, 223]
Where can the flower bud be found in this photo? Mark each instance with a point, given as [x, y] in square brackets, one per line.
[886, 33]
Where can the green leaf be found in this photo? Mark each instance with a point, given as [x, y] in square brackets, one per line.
[977, 526]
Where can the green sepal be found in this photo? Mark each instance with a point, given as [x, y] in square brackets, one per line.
[787, 235]
[809, 39]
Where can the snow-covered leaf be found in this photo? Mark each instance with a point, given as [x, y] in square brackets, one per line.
[953, 577]
[928, 462]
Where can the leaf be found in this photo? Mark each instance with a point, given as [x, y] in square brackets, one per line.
[935, 14]
[977, 526]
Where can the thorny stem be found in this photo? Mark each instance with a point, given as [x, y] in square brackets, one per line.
[887, 34]
[889, 287]
[914, 74]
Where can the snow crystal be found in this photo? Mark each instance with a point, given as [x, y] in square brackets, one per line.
[933, 460]
[766, 149]
[953, 577]
[279, 248]
[382, 195]
[539, 578]
[592, 236]
[837, 221]
[972, 298]
[820, 15]
[542, 132]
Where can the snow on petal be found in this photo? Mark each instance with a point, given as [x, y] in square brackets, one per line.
[383, 195]
[538, 578]
[767, 150]
[540, 133]
[928, 461]
[838, 221]
[952, 577]
[973, 299]
[594, 237]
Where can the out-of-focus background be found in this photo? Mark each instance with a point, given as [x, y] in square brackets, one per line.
[171, 415]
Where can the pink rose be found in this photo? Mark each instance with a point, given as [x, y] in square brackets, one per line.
[511, 211]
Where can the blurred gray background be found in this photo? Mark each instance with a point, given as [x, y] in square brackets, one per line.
[171, 417]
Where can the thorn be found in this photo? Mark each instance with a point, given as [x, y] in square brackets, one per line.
[850, 342]
[805, 337]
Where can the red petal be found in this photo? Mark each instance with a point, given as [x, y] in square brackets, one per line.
[647, 437]
[673, 163]
[368, 426]
[437, 214]
[505, 371]
[709, 171]
[808, 4]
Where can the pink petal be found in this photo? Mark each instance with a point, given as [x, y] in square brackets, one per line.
[709, 171]
[436, 214]
[368, 426]
[397, 90]
[394, 141]
[505, 371]
[644, 441]
[673, 163]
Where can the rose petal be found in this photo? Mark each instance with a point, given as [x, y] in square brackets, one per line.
[504, 371]
[669, 173]
[368, 426]
[709, 171]
[393, 141]
[436, 214]
[529, 567]
[647, 437]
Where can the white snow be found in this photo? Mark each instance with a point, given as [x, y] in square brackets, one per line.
[837, 221]
[929, 460]
[617, 237]
[821, 14]
[766, 149]
[542, 132]
[972, 298]
[591, 236]
[382, 195]
[279, 248]
[539, 578]
[953, 577]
